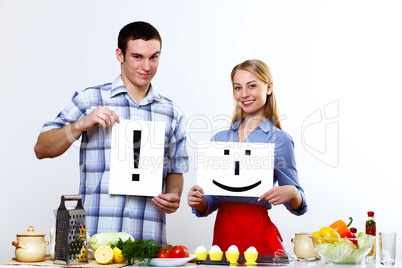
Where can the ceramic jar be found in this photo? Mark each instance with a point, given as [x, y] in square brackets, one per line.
[30, 246]
[303, 246]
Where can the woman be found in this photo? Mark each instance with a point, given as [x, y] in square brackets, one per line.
[244, 221]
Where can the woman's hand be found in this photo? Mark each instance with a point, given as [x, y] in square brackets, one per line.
[195, 198]
[281, 194]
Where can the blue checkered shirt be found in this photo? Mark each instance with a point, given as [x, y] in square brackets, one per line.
[135, 215]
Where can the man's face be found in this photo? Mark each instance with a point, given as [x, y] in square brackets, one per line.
[140, 63]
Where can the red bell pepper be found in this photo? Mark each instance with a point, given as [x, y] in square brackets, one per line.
[350, 235]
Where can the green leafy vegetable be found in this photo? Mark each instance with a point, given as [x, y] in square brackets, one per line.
[344, 251]
[107, 239]
[139, 250]
[338, 251]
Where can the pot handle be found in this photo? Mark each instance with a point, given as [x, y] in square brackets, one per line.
[46, 243]
[19, 245]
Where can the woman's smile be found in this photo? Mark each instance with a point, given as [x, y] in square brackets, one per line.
[248, 103]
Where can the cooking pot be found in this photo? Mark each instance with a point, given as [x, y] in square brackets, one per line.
[30, 246]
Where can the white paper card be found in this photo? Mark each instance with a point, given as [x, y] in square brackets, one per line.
[235, 168]
[136, 158]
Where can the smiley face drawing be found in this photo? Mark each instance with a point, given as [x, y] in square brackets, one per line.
[235, 169]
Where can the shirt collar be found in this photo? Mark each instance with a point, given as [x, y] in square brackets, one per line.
[264, 126]
[119, 87]
[235, 125]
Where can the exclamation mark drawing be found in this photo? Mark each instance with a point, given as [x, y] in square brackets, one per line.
[137, 147]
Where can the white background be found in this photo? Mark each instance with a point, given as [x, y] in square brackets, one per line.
[336, 68]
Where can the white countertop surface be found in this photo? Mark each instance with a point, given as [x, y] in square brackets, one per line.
[298, 264]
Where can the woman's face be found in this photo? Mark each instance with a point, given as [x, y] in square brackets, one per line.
[250, 93]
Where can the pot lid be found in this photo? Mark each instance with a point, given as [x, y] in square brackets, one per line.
[31, 233]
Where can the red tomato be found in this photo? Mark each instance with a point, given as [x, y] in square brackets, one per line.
[179, 252]
[163, 254]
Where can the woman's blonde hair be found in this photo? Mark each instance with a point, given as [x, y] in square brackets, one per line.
[262, 71]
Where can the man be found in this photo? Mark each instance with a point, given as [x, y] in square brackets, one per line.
[91, 115]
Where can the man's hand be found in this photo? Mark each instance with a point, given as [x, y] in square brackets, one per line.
[55, 142]
[99, 116]
[168, 203]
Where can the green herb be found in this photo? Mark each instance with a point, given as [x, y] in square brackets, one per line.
[139, 250]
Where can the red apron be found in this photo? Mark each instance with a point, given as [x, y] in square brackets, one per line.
[246, 225]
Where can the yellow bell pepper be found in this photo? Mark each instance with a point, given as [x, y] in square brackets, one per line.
[328, 232]
[325, 232]
[318, 241]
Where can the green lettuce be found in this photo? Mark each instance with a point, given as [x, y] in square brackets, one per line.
[364, 246]
[107, 239]
[338, 251]
[344, 251]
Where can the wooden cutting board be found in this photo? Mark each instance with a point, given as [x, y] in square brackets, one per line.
[49, 263]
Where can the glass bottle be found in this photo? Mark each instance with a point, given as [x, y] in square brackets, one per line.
[371, 230]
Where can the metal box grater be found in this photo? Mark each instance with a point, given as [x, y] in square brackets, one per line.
[71, 238]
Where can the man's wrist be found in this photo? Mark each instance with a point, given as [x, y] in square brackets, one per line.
[178, 196]
[72, 132]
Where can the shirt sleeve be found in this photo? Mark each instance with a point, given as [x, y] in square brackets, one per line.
[177, 157]
[285, 172]
[74, 110]
[213, 204]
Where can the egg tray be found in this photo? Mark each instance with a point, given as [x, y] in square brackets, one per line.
[261, 260]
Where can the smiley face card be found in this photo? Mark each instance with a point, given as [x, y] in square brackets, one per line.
[235, 168]
[136, 158]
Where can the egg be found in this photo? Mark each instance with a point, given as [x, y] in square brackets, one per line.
[215, 248]
[215, 253]
[252, 249]
[232, 254]
[200, 249]
[233, 249]
[201, 253]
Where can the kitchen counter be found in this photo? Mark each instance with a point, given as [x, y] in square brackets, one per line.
[265, 261]
[298, 264]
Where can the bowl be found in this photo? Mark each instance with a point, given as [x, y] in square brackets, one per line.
[343, 250]
[91, 253]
